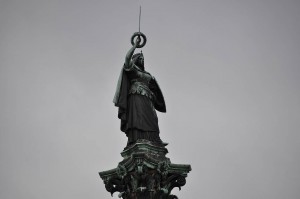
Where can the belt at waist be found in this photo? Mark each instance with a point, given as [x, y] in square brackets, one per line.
[143, 81]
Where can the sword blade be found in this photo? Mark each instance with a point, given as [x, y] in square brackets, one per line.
[140, 19]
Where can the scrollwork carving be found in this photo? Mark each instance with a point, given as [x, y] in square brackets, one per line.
[121, 171]
[145, 177]
[115, 185]
[163, 168]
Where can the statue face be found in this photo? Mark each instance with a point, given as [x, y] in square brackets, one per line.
[140, 61]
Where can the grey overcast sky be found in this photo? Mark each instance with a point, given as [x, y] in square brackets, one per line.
[229, 70]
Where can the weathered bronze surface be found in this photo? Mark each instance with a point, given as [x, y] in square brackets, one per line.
[145, 172]
[137, 96]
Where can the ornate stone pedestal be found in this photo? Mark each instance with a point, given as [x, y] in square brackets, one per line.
[145, 173]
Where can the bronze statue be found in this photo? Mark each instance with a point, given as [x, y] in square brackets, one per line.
[137, 96]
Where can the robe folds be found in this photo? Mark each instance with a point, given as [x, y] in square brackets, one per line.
[137, 111]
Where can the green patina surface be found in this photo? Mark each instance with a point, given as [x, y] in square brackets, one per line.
[145, 172]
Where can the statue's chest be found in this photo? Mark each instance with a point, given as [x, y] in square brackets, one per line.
[140, 76]
[143, 77]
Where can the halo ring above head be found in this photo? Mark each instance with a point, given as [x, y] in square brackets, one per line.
[139, 34]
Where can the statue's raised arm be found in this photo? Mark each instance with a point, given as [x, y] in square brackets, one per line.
[128, 62]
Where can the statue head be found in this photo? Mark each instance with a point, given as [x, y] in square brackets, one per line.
[138, 59]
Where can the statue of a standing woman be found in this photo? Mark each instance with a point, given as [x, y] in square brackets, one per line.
[137, 97]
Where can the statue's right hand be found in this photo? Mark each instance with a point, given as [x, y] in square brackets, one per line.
[138, 40]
